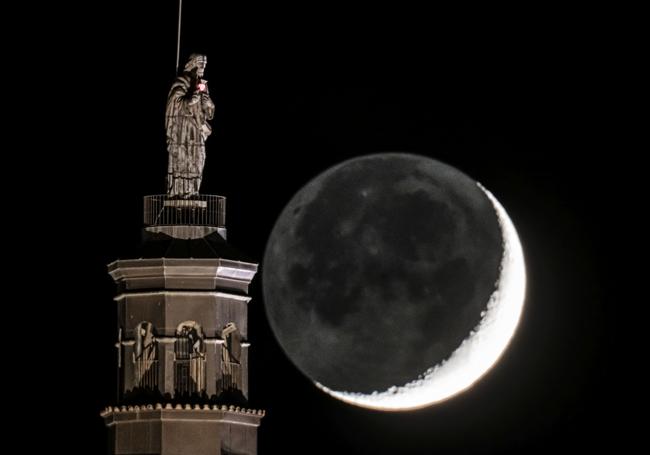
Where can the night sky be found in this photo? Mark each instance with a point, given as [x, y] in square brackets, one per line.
[511, 112]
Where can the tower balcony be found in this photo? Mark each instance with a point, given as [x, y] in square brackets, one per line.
[199, 210]
[191, 218]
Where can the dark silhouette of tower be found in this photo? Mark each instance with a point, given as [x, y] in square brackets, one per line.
[182, 336]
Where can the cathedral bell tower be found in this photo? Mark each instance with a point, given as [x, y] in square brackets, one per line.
[182, 306]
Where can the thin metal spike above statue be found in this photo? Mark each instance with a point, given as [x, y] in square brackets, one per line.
[187, 121]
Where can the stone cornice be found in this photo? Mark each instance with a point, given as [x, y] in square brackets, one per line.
[241, 298]
[235, 414]
[169, 273]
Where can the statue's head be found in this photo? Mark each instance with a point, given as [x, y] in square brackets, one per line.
[198, 62]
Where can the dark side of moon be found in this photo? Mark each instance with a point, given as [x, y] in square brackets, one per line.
[379, 268]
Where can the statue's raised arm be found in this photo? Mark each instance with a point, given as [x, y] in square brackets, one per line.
[189, 110]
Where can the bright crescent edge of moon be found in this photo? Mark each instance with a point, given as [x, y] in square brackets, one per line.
[478, 352]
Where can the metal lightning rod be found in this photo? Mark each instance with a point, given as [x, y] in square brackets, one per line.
[178, 41]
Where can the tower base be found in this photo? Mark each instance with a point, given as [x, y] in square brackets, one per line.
[182, 430]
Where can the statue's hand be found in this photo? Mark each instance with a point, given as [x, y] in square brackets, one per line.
[206, 131]
[196, 97]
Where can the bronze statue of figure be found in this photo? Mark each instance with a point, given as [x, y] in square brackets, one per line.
[189, 110]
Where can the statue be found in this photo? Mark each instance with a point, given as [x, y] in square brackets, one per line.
[189, 109]
[230, 355]
[145, 356]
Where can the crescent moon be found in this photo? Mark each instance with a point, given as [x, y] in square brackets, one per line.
[478, 353]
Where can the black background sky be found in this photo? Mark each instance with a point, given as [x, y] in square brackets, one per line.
[512, 109]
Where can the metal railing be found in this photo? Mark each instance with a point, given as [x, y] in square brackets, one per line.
[189, 375]
[231, 376]
[200, 210]
[146, 373]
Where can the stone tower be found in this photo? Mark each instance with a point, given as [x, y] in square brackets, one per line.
[183, 336]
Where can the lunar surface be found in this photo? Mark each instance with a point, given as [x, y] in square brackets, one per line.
[393, 281]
